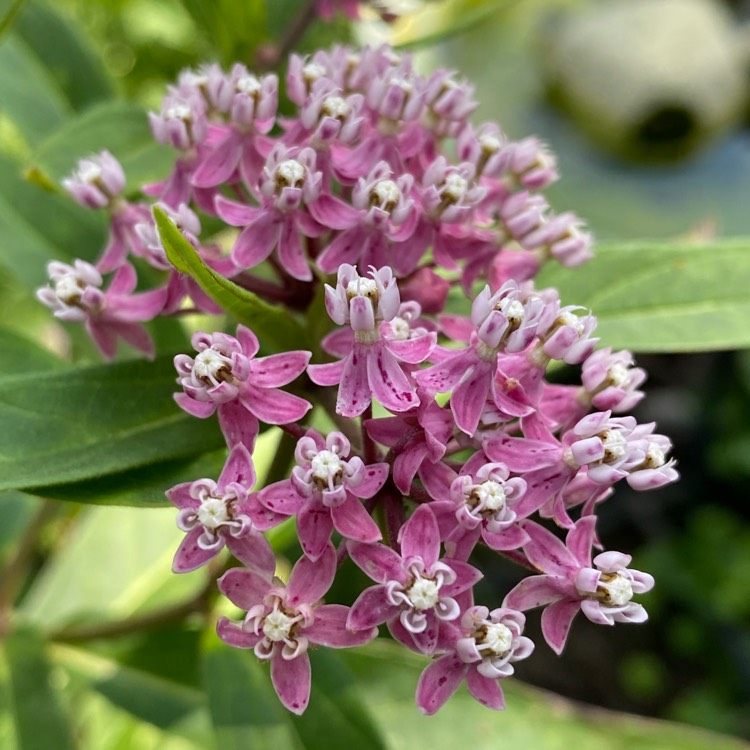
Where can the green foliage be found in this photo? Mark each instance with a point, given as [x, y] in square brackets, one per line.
[90, 422]
[273, 325]
[663, 296]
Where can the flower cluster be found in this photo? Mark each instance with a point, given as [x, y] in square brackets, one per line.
[434, 365]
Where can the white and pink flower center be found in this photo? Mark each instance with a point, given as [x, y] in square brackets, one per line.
[385, 194]
[277, 625]
[248, 85]
[615, 445]
[290, 173]
[489, 495]
[496, 638]
[424, 593]
[69, 288]
[213, 512]
[327, 468]
[210, 366]
[615, 589]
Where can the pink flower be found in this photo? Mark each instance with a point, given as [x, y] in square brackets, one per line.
[76, 297]
[416, 589]
[226, 376]
[569, 583]
[483, 652]
[221, 513]
[372, 368]
[283, 621]
[324, 493]
[97, 181]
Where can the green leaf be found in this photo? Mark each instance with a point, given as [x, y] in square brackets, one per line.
[39, 718]
[22, 354]
[247, 713]
[29, 97]
[114, 563]
[244, 709]
[663, 296]
[94, 421]
[142, 487]
[532, 718]
[119, 127]
[274, 326]
[69, 59]
[156, 700]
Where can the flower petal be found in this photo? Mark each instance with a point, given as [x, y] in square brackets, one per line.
[487, 691]
[309, 580]
[371, 608]
[330, 628]
[420, 536]
[379, 562]
[244, 587]
[233, 635]
[254, 550]
[438, 682]
[352, 521]
[190, 555]
[291, 681]
[238, 468]
[314, 528]
[556, 622]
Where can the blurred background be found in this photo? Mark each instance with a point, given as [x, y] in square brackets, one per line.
[645, 104]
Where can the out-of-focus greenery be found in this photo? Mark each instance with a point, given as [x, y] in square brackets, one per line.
[75, 76]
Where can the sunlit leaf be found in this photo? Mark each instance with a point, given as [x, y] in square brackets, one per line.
[663, 296]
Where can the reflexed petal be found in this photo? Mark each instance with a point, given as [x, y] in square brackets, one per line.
[581, 538]
[314, 528]
[487, 691]
[328, 374]
[438, 682]
[236, 214]
[379, 562]
[352, 521]
[420, 536]
[547, 552]
[291, 681]
[281, 497]
[354, 391]
[536, 591]
[238, 424]
[466, 576]
[310, 580]
[257, 240]
[330, 628]
[189, 555]
[238, 468]
[254, 550]
[180, 496]
[372, 608]
[274, 406]
[244, 587]
[470, 396]
[233, 634]
[556, 622]
[219, 164]
[200, 409]
[278, 369]
[291, 255]
[521, 454]
[374, 478]
[388, 382]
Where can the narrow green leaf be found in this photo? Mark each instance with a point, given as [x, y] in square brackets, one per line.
[70, 59]
[244, 709]
[39, 718]
[274, 326]
[94, 421]
[142, 487]
[663, 296]
[29, 96]
[119, 127]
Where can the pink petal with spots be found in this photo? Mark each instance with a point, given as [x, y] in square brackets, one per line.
[179, 495]
[291, 255]
[278, 369]
[281, 497]
[238, 424]
[536, 591]
[371, 609]
[327, 374]
[406, 466]
[438, 682]
[420, 536]
[333, 213]
[466, 576]
[238, 468]
[581, 538]
[470, 396]
[314, 528]
[200, 409]
[189, 555]
[291, 681]
[414, 351]
[272, 406]
[233, 635]
[520, 454]
[329, 628]
[388, 382]
[354, 391]
[254, 550]
[352, 521]
[547, 552]
[379, 562]
[374, 478]
[487, 691]
[244, 587]
[257, 240]
[309, 580]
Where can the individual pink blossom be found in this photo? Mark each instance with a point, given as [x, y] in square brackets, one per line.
[486, 503]
[384, 212]
[226, 376]
[250, 103]
[97, 182]
[502, 322]
[373, 367]
[569, 583]
[416, 590]
[483, 651]
[324, 492]
[282, 622]
[215, 514]
[289, 185]
[530, 163]
[611, 382]
[76, 296]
